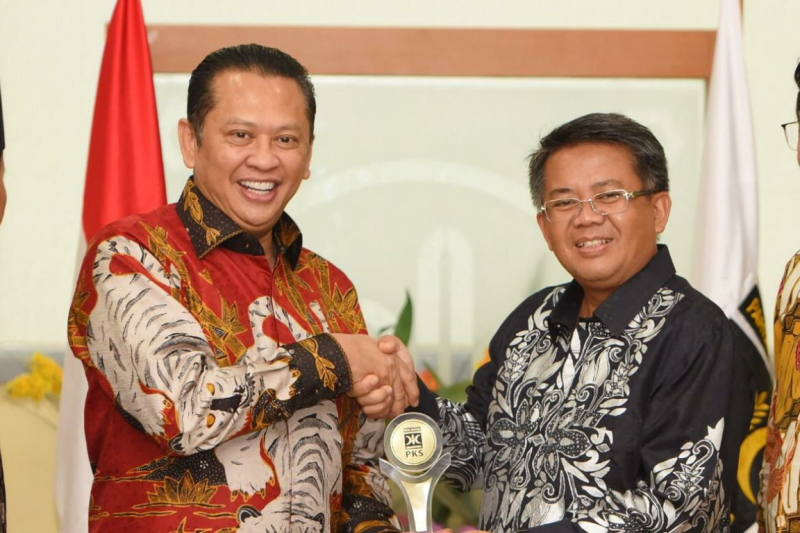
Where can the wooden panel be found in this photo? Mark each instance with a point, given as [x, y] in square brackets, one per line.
[452, 52]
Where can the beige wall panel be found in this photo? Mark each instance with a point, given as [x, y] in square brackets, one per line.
[420, 184]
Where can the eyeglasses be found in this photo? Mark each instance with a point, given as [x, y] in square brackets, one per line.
[603, 203]
[790, 131]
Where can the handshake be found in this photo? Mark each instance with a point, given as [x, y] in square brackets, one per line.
[384, 380]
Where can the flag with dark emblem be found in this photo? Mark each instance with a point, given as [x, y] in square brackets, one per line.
[726, 245]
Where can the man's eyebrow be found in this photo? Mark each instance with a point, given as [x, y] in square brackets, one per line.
[240, 122]
[604, 183]
[289, 126]
[595, 185]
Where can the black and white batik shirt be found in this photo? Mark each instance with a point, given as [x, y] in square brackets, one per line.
[630, 420]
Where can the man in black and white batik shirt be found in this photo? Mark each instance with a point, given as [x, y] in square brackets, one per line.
[615, 402]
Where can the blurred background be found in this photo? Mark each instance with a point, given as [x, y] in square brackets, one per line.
[418, 182]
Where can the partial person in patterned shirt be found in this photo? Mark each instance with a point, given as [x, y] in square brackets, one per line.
[2, 164]
[616, 402]
[2, 212]
[779, 496]
[222, 355]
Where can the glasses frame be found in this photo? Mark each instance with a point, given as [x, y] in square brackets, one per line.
[628, 197]
[787, 135]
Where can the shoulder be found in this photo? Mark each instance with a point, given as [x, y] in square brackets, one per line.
[697, 332]
[312, 261]
[791, 273]
[793, 262]
[528, 310]
[695, 308]
[546, 298]
[137, 227]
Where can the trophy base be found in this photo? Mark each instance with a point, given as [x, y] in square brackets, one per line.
[417, 491]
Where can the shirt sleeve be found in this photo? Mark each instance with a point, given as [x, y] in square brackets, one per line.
[151, 357]
[778, 495]
[366, 496]
[463, 426]
[689, 444]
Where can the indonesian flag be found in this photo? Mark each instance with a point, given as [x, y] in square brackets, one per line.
[125, 175]
[726, 245]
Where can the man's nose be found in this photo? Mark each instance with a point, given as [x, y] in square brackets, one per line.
[263, 155]
[588, 214]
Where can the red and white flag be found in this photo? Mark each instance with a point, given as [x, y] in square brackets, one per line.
[125, 175]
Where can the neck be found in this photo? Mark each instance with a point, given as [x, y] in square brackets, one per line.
[591, 301]
[269, 249]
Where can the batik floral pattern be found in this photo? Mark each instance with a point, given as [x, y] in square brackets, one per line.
[548, 434]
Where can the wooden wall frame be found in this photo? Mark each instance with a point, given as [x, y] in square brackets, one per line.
[453, 52]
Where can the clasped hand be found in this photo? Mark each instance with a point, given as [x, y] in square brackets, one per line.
[384, 380]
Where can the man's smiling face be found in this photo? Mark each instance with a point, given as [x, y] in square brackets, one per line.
[255, 148]
[601, 252]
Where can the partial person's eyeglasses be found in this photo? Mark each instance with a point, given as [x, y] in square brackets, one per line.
[603, 203]
[790, 131]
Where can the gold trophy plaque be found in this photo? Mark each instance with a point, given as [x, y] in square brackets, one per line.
[413, 444]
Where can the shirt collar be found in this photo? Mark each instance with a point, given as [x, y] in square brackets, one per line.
[209, 228]
[617, 311]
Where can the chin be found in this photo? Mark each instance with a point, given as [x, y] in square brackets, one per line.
[596, 279]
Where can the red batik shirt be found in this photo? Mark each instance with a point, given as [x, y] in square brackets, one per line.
[215, 396]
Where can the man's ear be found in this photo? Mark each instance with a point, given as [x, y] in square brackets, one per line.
[188, 140]
[544, 225]
[307, 173]
[662, 203]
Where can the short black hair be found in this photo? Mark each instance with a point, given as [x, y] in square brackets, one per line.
[254, 58]
[797, 81]
[647, 154]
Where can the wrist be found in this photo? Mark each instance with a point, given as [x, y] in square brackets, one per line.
[338, 339]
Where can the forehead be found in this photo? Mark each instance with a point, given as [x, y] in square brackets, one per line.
[236, 90]
[590, 167]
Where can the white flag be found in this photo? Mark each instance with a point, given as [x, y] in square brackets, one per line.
[726, 244]
[73, 473]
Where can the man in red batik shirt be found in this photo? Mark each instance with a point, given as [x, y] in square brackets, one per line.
[221, 355]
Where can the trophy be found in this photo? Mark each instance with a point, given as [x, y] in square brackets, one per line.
[413, 444]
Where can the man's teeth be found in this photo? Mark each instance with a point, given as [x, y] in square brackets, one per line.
[596, 242]
[261, 187]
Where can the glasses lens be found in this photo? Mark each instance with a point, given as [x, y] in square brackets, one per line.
[610, 202]
[791, 133]
[562, 209]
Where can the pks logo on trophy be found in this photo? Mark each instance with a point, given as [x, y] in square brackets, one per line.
[415, 463]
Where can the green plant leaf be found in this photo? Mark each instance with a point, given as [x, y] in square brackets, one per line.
[403, 328]
[384, 329]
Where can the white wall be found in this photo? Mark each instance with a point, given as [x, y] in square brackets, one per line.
[50, 58]
[773, 51]
[49, 61]
[420, 184]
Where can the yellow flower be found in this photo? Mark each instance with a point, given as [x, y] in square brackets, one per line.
[28, 385]
[48, 370]
[44, 378]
